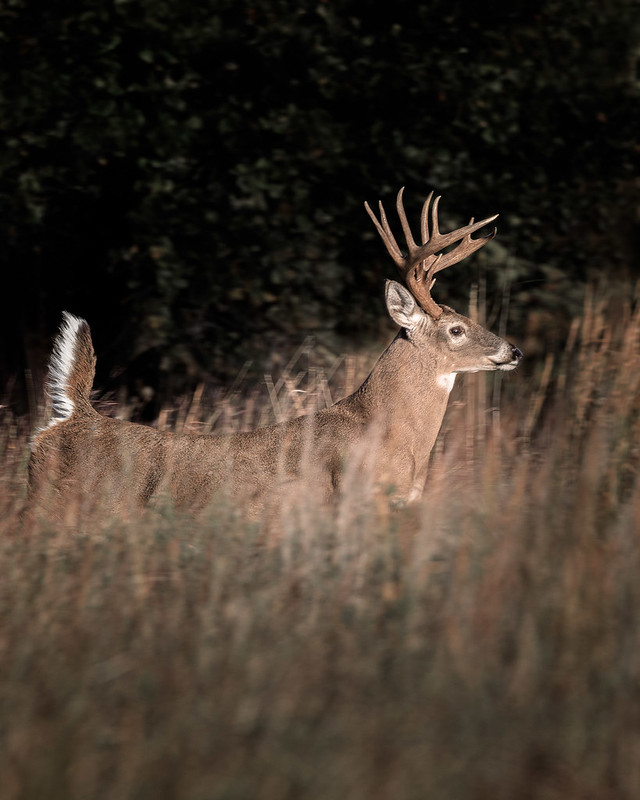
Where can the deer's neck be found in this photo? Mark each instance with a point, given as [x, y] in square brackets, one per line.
[406, 394]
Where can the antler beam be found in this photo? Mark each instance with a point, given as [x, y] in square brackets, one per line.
[423, 261]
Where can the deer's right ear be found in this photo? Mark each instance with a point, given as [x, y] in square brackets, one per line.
[402, 307]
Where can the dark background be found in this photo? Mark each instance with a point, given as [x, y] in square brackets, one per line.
[189, 176]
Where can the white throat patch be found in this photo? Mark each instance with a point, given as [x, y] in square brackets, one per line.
[446, 381]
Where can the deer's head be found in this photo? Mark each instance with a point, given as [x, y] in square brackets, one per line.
[461, 344]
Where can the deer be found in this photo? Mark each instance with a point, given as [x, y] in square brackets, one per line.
[82, 459]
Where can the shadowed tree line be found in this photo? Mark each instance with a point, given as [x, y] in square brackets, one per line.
[190, 176]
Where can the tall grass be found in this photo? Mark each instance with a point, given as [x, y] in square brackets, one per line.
[484, 644]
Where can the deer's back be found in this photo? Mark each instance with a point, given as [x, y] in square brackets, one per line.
[99, 463]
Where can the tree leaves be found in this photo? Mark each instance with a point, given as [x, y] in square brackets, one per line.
[182, 161]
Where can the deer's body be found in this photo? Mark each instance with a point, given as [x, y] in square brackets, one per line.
[391, 422]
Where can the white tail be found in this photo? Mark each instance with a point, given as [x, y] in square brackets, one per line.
[66, 357]
[83, 458]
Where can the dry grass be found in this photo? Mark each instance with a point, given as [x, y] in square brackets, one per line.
[483, 645]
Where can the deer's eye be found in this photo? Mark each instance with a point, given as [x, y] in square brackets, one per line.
[457, 330]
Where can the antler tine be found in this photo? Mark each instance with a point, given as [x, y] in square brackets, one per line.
[406, 229]
[438, 241]
[387, 229]
[435, 230]
[466, 247]
[386, 235]
[424, 219]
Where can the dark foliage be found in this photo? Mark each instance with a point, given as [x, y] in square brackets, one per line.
[190, 176]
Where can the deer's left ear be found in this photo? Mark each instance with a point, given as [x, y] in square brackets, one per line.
[402, 307]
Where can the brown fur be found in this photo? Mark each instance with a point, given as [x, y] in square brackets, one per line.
[86, 462]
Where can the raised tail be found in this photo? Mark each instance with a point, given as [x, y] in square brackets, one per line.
[71, 370]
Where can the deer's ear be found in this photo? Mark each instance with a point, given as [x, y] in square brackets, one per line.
[402, 307]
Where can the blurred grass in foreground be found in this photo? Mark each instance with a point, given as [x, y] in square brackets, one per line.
[483, 645]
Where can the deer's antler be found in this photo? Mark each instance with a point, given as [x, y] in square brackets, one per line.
[423, 261]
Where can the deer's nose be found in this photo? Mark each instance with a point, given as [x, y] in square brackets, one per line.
[516, 353]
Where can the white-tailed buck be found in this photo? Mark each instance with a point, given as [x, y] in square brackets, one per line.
[83, 460]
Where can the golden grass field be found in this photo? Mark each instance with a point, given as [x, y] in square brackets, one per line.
[483, 645]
